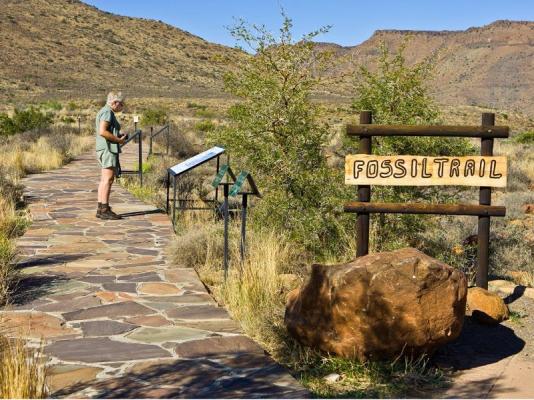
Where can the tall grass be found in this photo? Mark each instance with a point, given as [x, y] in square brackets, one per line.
[255, 295]
[22, 371]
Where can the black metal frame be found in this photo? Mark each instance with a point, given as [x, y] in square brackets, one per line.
[174, 177]
[139, 135]
[167, 129]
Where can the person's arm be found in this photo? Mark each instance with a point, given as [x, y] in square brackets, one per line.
[106, 134]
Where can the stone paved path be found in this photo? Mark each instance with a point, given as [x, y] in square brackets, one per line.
[118, 319]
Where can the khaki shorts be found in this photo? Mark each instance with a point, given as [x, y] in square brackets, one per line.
[107, 159]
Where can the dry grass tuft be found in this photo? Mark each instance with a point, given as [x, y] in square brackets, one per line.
[255, 295]
[22, 372]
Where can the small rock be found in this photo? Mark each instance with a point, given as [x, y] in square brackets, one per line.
[486, 307]
[332, 378]
[528, 208]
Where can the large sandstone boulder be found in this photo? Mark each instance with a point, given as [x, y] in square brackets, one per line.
[379, 306]
[486, 307]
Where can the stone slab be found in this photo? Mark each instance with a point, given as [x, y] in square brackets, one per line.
[105, 328]
[94, 350]
[217, 346]
[125, 309]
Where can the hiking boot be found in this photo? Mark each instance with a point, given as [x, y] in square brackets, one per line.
[107, 213]
[99, 210]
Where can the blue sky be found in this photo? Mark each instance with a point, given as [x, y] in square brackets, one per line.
[352, 21]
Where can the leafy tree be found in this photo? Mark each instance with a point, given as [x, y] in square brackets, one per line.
[274, 132]
[153, 116]
[398, 94]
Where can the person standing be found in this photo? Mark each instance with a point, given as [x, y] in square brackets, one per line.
[108, 141]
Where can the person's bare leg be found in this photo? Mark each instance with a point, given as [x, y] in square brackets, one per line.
[104, 188]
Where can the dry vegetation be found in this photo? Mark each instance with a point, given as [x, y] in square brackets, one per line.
[23, 370]
[255, 291]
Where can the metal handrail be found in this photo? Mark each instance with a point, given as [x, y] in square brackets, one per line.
[166, 128]
[138, 133]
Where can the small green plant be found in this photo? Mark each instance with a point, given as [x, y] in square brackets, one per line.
[204, 113]
[51, 105]
[525, 137]
[205, 126]
[72, 106]
[516, 317]
[154, 116]
[68, 120]
[196, 106]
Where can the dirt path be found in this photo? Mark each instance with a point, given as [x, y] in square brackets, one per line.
[494, 361]
[118, 319]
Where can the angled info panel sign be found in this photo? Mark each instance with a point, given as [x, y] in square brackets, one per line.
[192, 162]
[362, 169]
[238, 186]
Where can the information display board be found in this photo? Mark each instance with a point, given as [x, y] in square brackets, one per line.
[196, 160]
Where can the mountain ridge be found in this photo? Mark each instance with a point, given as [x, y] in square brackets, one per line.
[70, 49]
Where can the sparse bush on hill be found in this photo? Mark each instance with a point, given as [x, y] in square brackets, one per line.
[205, 126]
[154, 116]
[23, 121]
[204, 113]
[525, 137]
[275, 133]
[398, 94]
[51, 105]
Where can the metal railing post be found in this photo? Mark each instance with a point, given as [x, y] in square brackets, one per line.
[141, 158]
[244, 205]
[226, 217]
[168, 139]
[150, 143]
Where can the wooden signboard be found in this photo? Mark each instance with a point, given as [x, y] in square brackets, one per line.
[363, 169]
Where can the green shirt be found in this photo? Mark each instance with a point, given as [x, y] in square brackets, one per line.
[107, 114]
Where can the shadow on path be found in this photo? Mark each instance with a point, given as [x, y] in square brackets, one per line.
[515, 295]
[50, 260]
[479, 345]
[33, 287]
[200, 378]
[136, 213]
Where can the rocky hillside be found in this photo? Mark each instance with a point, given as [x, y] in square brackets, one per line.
[65, 48]
[488, 66]
[62, 48]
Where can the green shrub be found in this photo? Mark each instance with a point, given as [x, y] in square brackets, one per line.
[397, 94]
[196, 106]
[154, 116]
[68, 120]
[204, 113]
[275, 133]
[23, 121]
[7, 127]
[205, 126]
[51, 105]
[525, 137]
[72, 106]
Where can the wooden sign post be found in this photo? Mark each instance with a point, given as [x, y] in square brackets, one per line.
[484, 171]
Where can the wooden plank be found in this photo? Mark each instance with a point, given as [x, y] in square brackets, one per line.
[429, 130]
[418, 208]
[363, 169]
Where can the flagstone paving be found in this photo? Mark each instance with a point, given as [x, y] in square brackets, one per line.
[118, 319]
